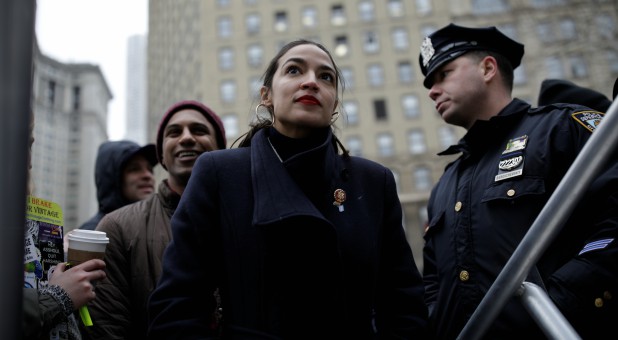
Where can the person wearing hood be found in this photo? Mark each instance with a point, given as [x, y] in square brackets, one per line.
[123, 174]
[563, 91]
[139, 232]
[302, 240]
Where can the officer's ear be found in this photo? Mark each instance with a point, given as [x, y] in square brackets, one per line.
[489, 67]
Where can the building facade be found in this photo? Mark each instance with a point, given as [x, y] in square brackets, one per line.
[136, 89]
[215, 52]
[70, 104]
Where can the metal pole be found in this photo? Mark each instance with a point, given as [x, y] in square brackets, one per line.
[545, 313]
[16, 48]
[547, 224]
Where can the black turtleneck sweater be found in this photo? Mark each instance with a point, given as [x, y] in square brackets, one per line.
[304, 160]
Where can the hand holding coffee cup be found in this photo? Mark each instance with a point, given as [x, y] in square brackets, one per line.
[85, 245]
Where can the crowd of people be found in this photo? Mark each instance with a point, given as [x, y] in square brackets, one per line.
[285, 235]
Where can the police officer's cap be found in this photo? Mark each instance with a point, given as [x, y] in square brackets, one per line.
[453, 41]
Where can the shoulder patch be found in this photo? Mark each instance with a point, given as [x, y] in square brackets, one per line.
[588, 119]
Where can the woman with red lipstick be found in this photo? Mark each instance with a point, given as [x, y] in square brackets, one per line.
[303, 240]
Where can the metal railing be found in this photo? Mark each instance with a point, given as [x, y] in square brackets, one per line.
[549, 222]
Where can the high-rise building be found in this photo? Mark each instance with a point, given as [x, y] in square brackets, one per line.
[136, 89]
[70, 104]
[215, 51]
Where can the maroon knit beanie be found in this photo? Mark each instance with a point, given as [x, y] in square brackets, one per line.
[195, 105]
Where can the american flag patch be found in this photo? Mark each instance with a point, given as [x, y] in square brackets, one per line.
[596, 245]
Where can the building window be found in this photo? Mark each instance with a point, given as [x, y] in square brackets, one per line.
[375, 74]
[409, 104]
[416, 142]
[230, 123]
[546, 3]
[355, 146]
[568, 30]
[226, 58]
[490, 6]
[51, 93]
[76, 97]
[386, 147]
[371, 43]
[579, 69]
[228, 91]
[255, 84]
[405, 72]
[310, 16]
[379, 107]
[253, 22]
[341, 46]
[337, 15]
[366, 10]
[544, 32]
[281, 21]
[400, 38]
[224, 27]
[350, 108]
[446, 136]
[223, 3]
[423, 7]
[553, 67]
[255, 52]
[395, 8]
[606, 26]
[348, 77]
[427, 30]
[422, 178]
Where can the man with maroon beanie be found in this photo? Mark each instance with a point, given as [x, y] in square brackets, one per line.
[138, 233]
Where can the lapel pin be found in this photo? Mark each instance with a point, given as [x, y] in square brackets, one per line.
[340, 197]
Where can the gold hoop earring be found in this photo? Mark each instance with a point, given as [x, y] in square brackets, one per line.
[334, 117]
[262, 117]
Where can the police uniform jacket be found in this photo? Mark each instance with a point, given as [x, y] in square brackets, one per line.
[290, 264]
[485, 203]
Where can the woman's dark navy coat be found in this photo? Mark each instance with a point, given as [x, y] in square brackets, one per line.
[288, 268]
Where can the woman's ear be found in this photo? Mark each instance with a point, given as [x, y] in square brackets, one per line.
[265, 96]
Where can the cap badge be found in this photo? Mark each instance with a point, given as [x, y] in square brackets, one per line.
[340, 197]
[427, 51]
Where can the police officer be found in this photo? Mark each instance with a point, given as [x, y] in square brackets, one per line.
[511, 160]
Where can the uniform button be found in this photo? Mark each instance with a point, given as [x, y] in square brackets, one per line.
[607, 295]
[598, 302]
[510, 193]
[458, 206]
[464, 275]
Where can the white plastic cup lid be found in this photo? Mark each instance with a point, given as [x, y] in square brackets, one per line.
[89, 236]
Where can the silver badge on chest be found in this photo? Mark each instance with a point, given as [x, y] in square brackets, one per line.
[512, 160]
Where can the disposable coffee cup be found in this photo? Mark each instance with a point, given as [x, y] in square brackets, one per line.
[86, 245]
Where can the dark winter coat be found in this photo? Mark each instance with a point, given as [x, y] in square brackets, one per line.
[487, 200]
[289, 266]
[138, 234]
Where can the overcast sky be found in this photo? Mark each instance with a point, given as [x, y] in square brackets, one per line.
[95, 32]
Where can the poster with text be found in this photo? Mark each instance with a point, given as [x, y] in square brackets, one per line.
[43, 240]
